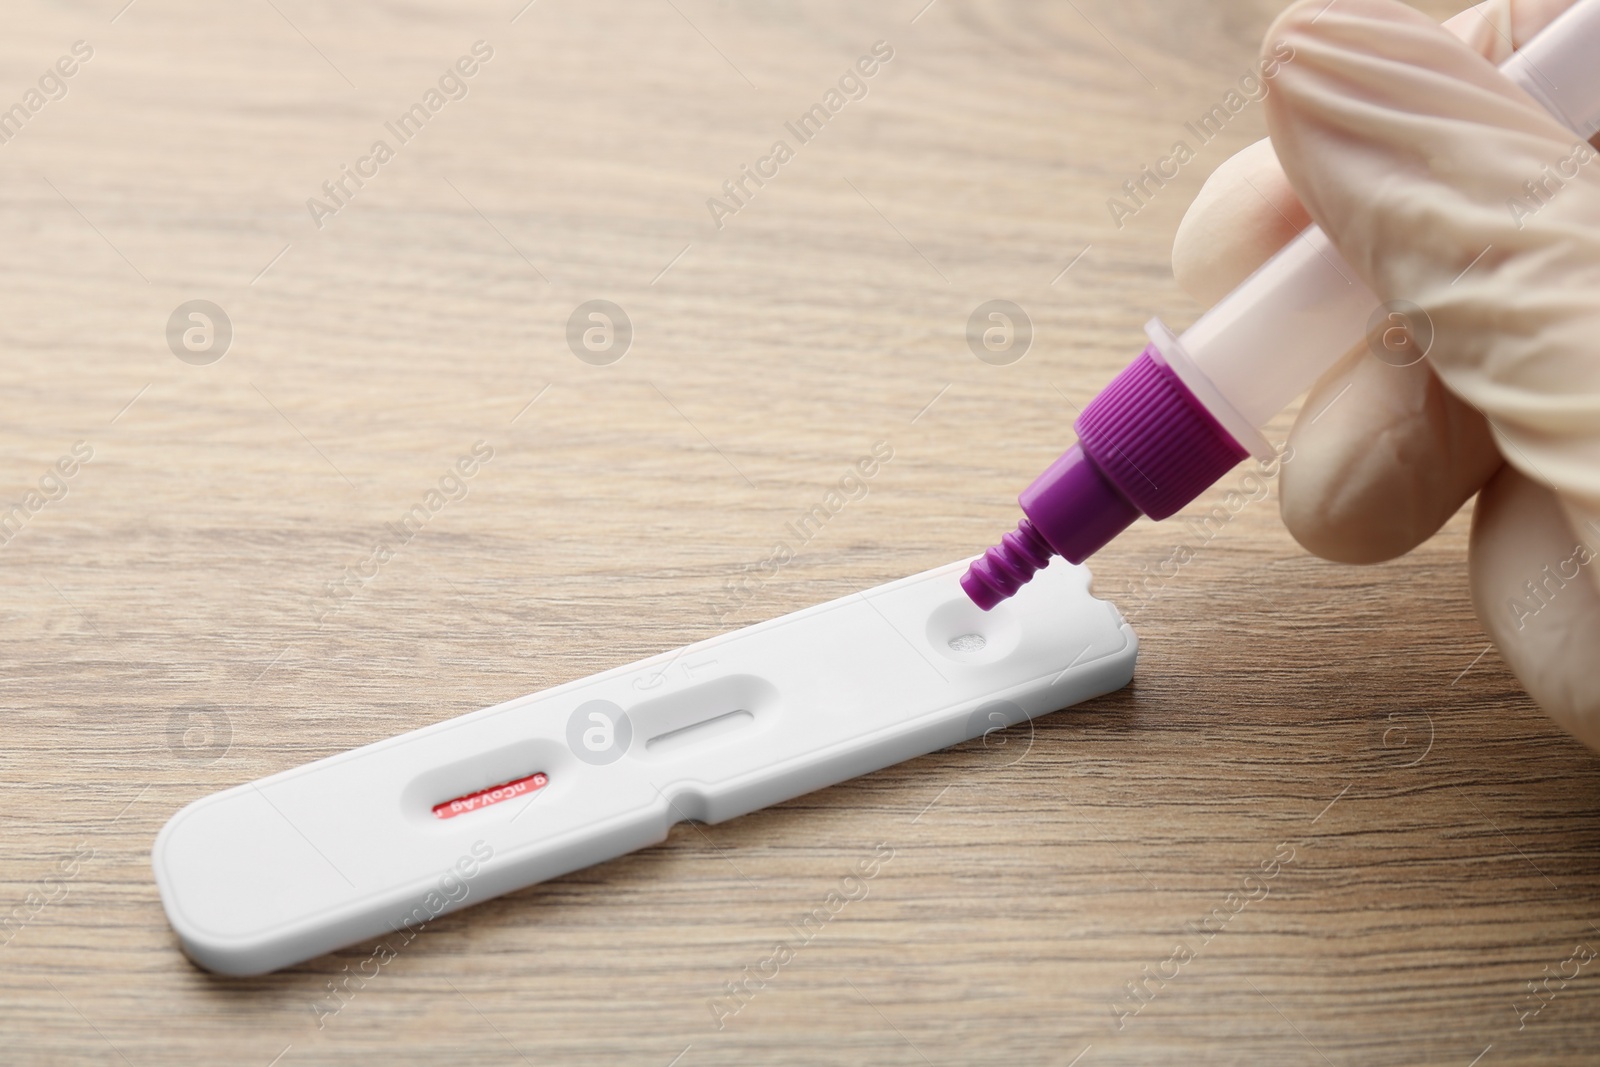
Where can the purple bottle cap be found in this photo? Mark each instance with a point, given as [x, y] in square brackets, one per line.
[1075, 507]
[1146, 446]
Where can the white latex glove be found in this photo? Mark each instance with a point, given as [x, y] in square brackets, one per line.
[1406, 145]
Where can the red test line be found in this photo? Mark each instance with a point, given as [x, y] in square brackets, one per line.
[495, 794]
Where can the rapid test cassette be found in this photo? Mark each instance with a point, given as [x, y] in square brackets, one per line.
[388, 837]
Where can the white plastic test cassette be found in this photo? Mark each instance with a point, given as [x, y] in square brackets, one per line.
[392, 835]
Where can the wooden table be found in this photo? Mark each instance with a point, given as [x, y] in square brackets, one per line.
[169, 628]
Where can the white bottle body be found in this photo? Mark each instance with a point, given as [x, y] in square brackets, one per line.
[1266, 342]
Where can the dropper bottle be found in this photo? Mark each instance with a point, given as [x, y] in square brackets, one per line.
[1190, 407]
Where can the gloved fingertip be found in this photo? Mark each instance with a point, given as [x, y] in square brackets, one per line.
[1526, 564]
[1243, 214]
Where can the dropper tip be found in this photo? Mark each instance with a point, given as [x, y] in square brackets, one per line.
[979, 588]
[1001, 571]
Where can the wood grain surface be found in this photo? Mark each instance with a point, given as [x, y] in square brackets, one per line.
[1323, 825]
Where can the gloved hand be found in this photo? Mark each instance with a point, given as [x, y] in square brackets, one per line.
[1401, 140]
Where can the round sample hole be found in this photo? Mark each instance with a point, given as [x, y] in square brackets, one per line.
[968, 642]
[958, 631]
